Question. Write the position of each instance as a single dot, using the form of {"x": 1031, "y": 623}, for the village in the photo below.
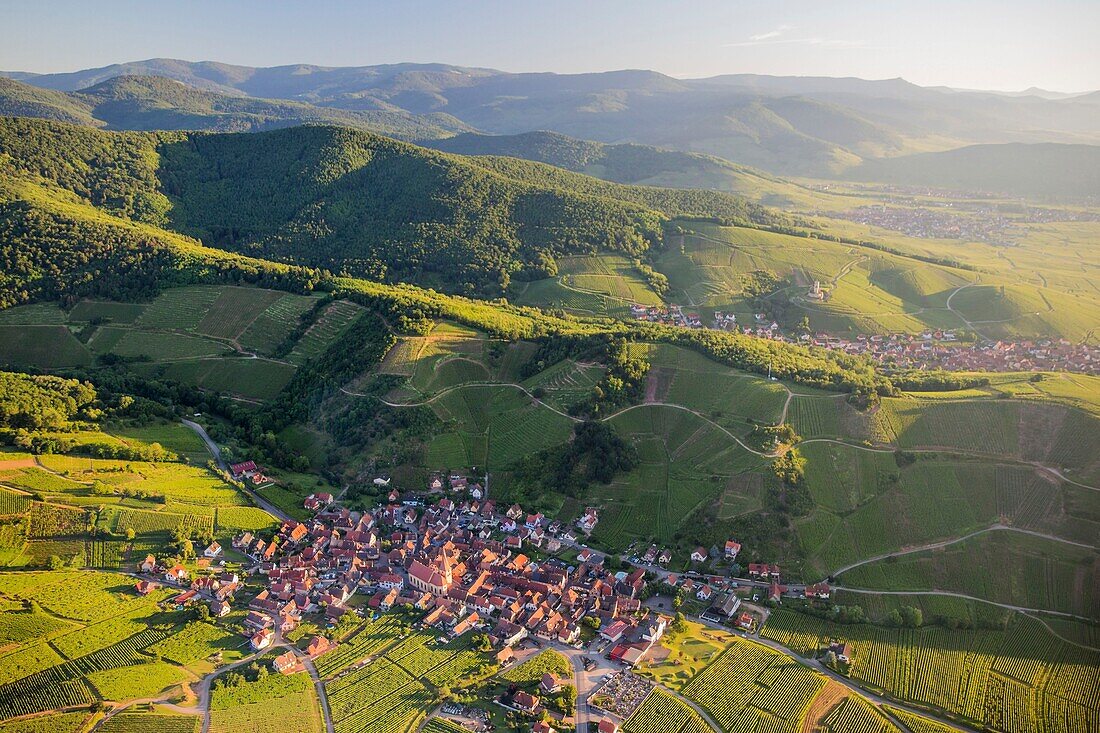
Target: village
{"x": 461, "y": 565}
{"x": 937, "y": 349}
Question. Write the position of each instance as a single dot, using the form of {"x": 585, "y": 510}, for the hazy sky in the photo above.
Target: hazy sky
{"x": 1005, "y": 44}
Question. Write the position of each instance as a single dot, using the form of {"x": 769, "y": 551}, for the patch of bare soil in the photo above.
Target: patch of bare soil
{"x": 829, "y": 697}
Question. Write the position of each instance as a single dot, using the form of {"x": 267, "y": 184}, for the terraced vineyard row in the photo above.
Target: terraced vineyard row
{"x": 663, "y": 713}
{"x": 1020, "y": 679}
{"x": 749, "y": 679}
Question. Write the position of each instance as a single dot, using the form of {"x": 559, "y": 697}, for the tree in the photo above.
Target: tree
{"x": 130, "y": 534}
{"x": 912, "y": 617}
{"x": 679, "y": 624}
{"x": 202, "y": 612}
{"x": 55, "y": 562}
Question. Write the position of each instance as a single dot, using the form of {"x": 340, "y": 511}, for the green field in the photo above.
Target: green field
{"x": 1018, "y": 679}
{"x": 603, "y": 284}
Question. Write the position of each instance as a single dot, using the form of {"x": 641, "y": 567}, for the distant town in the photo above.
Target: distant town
{"x": 938, "y": 349}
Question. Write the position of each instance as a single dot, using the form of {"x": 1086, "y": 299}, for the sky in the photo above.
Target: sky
{"x": 977, "y": 44}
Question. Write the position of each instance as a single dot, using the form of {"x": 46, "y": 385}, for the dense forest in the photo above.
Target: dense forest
{"x": 354, "y": 202}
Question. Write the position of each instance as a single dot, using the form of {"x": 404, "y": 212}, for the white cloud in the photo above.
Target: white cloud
{"x": 770, "y": 34}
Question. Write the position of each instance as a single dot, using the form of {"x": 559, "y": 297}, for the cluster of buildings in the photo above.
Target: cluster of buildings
{"x": 673, "y": 315}
{"x": 940, "y": 350}
{"x": 462, "y": 563}
{"x": 982, "y": 225}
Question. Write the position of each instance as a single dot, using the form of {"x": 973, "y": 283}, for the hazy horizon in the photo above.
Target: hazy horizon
{"x": 982, "y": 45}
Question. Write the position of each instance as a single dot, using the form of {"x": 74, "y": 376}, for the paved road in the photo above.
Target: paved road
{"x": 216, "y": 452}
{"x": 322, "y": 694}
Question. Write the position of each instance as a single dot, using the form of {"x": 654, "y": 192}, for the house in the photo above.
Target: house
{"x": 542, "y": 727}
{"x": 318, "y": 646}
{"x": 699, "y": 554}
{"x": 145, "y": 587}
{"x": 525, "y": 701}
{"x": 745, "y": 621}
{"x": 818, "y": 590}
{"x": 729, "y": 606}
{"x": 262, "y": 639}
{"x": 607, "y": 725}
{"x": 732, "y": 548}
{"x": 615, "y": 631}
{"x": 148, "y": 565}
{"x": 550, "y": 684}
{"x": 257, "y": 620}
{"x": 243, "y": 470}
{"x": 654, "y": 628}
{"x": 665, "y": 557}
{"x": 842, "y": 650}
{"x": 212, "y": 551}
{"x": 285, "y": 663}
{"x": 176, "y": 574}
{"x": 588, "y": 520}
{"x": 220, "y": 608}
{"x": 704, "y": 593}
{"x": 317, "y": 502}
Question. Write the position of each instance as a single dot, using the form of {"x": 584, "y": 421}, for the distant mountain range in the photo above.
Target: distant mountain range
{"x": 811, "y": 126}
{"x": 158, "y": 103}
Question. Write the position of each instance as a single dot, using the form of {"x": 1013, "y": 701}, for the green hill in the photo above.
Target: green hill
{"x": 625, "y": 163}
{"x": 1045, "y": 170}
{"x": 354, "y": 202}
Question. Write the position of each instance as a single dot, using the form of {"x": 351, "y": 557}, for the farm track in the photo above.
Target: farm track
{"x": 566, "y": 415}
{"x": 963, "y": 538}
{"x": 951, "y": 594}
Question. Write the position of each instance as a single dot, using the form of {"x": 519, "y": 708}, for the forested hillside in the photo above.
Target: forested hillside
{"x": 624, "y": 163}
{"x": 353, "y": 202}
{"x": 157, "y": 103}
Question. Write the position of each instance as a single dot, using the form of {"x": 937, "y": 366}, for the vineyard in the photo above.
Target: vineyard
{"x": 128, "y": 722}
{"x": 748, "y": 681}
{"x": 548, "y": 661}
{"x": 63, "y": 683}
{"x": 12, "y": 503}
{"x": 48, "y": 520}
{"x": 195, "y": 641}
{"x": 1015, "y": 680}
{"x": 271, "y": 702}
{"x": 370, "y": 638}
{"x": 663, "y": 713}
{"x": 146, "y": 522}
{"x": 378, "y": 698}
{"x": 855, "y": 715}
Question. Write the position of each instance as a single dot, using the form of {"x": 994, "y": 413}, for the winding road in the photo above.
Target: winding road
{"x": 566, "y": 415}
{"x": 955, "y": 540}
{"x": 216, "y": 452}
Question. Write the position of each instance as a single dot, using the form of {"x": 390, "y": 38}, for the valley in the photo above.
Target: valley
{"x": 421, "y": 397}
